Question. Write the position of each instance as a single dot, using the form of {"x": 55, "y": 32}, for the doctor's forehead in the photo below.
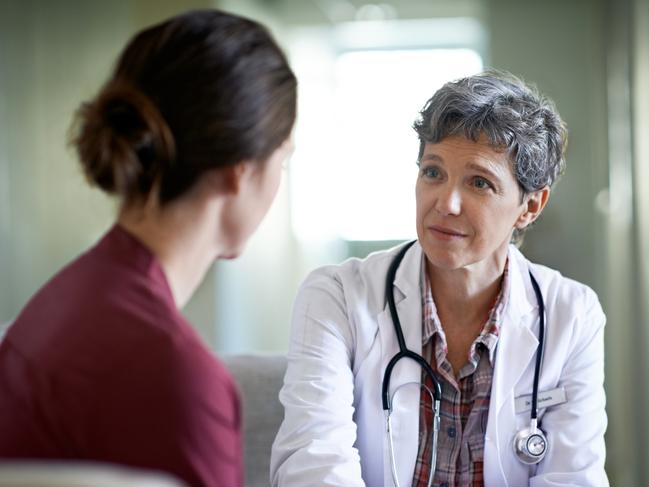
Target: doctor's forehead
{"x": 460, "y": 150}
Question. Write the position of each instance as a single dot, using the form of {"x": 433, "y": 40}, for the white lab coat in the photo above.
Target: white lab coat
{"x": 342, "y": 338}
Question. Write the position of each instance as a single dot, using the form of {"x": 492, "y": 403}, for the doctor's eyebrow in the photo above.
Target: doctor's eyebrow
{"x": 484, "y": 170}
{"x": 431, "y": 158}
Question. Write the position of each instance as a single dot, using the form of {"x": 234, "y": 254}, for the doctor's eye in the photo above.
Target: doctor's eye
{"x": 481, "y": 183}
{"x": 430, "y": 172}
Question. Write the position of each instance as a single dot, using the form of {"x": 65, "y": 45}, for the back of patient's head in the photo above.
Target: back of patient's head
{"x": 200, "y": 91}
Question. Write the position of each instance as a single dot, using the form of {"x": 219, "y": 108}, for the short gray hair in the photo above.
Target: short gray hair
{"x": 512, "y": 115}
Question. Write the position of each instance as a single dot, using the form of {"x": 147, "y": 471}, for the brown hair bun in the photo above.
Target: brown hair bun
{"x": 202, "y": 90}
{"x": 122, "y": 141}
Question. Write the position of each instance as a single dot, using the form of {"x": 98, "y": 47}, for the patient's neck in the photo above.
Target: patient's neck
{"x": 180, "y": 234}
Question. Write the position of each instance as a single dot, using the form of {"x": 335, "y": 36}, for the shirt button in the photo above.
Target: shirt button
{"x": 451, "y": 432}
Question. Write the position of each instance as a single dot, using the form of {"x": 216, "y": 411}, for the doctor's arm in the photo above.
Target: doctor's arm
{"x": 575, "y": 429}
{"x": 315, "y": 443}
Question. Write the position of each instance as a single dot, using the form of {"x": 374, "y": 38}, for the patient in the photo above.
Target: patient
{"x": 189, "y": 133}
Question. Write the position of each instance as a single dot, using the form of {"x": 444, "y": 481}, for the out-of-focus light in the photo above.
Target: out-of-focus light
{"x": 337, "y": 10}
{"x": 376, "y": 12}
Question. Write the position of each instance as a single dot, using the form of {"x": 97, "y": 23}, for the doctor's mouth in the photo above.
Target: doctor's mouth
{"x": 446, "y": 234}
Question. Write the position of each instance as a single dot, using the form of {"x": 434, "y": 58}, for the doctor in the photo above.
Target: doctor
{"x": 501, "y": 335}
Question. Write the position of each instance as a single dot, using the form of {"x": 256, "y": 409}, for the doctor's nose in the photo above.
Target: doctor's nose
{"x": 448, "y": 201}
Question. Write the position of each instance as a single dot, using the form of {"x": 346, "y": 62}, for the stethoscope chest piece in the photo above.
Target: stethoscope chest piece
{"x": 530, "y": 445}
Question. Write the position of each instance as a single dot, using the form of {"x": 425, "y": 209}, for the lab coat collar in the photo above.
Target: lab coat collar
{"x": 407, "y": 278}
{"x": 521, "y": 299}
{"x": 520, "y": 302}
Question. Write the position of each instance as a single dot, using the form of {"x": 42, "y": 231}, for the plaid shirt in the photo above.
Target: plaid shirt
{"x": 465, "y": 399}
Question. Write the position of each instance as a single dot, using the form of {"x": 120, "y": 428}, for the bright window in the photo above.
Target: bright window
{"x": 353, "y": 173}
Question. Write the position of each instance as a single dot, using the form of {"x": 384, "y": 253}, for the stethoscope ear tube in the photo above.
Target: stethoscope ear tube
{"x": 539, "y": 350}
{"x": 389, "y": 293}
{"x": 385, "y": 388}
{"x": 403, "y": 350}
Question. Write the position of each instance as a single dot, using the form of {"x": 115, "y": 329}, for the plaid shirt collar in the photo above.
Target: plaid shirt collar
{"x": 491, "y": 329}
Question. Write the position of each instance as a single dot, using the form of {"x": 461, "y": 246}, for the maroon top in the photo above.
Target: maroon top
{"x": 100, "y": 365}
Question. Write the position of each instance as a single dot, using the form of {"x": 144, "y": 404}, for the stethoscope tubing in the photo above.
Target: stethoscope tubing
{"x": 539, "y": 350}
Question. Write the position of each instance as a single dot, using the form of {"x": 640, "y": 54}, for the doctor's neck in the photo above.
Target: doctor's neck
{"x": 468, "y": 290}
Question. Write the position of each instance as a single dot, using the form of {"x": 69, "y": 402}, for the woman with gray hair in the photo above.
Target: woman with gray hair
{"x": 453, "y": 360}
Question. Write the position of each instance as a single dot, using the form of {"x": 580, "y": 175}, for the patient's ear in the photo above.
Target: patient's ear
{"x": 533, "y": 205}
{"x": 228, "y": 179}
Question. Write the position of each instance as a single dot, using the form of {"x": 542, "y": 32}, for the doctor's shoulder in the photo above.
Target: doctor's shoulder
{"x": 351, "y": 283}
{"x": 342, "y": 302}
{"x": 572, "y": 304}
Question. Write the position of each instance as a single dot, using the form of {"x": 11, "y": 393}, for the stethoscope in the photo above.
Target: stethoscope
{"x": 530, "y": 444}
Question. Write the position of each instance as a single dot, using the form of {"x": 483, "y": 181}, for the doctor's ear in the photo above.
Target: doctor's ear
{"x": 533, "y": 204}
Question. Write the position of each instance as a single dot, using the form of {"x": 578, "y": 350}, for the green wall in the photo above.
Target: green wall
{"x": 53, "y": 56}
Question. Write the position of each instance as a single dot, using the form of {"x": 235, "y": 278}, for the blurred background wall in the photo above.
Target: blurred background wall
{"x": 348, "y": 188}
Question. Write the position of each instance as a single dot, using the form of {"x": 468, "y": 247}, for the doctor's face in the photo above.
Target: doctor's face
{"x": 468, "y": 203}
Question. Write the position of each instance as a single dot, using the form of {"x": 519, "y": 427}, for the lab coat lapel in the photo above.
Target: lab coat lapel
{"x": 405, "y": 415}
{"x": 516, "y": 350}
{"x": 518, "y": 342}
